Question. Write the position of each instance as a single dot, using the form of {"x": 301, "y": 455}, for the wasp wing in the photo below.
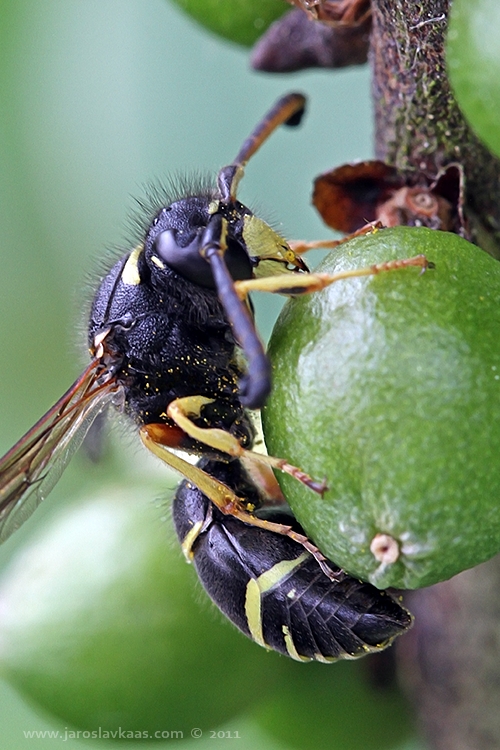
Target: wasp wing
{"x": 29, "y": 471}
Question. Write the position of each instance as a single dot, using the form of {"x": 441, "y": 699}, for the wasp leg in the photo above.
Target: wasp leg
{"x": 182, "y": 409}
{"x": 302, "y": 246}
{"x": 224, "y": 497}
{"x": 294, "y": 284}
{"x": 263, "y": 477}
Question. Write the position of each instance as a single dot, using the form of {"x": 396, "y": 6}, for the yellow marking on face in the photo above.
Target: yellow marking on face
{"x": 261, "y": 240}
{"x": 158, "y": 262}
{"x": 258, "y": 586}
{"x": 213, "y": 207}
{"x": 273, "y": 253}
{"x": 130, "y": 273}
{"x": 290, "y": 646}
{"x": 189, "y": 540}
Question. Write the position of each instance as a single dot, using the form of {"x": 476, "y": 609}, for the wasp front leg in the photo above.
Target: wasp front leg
{"x": 306, "y": 283}
{"x": 299, "y": 247}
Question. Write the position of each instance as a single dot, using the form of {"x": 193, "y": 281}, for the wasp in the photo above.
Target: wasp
{"x": 173, "y": 344}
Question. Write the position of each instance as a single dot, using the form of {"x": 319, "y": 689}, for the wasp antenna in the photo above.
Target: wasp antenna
{"x": 287, "y": 111}
{"x": 296, "y": 118}
{"x": 256, "y": 384}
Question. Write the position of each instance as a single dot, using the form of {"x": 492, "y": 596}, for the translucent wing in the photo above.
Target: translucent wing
{"x": 29, "y": 471}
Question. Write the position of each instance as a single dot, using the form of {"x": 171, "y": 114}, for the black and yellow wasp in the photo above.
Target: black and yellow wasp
{"x": 168, "y": 327}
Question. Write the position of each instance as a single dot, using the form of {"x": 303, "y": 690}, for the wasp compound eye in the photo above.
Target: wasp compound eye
{"x": 186, "y": 261}
{"x": 190, "y": 262}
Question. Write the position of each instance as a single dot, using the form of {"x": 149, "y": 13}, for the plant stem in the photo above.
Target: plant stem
{"x": 418, "y": 125}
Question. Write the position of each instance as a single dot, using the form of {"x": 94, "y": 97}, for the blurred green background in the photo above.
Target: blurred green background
{"x": 98, "y": 99}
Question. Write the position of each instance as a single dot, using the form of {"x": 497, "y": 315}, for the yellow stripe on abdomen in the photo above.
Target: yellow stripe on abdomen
{"x": 256, "y": 587}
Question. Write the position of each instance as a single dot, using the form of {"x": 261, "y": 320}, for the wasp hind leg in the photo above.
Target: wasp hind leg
{"x": 223, "y": 497}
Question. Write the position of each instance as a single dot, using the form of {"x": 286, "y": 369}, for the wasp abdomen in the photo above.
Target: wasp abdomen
{"x": 273, "y": 590}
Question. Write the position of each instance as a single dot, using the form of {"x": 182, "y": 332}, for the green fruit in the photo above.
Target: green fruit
{"x": 101, "y": 626}
{"x": 241, "y": 21}
{"x": 389, "y": 386}
{"x": 473, "y": 56}
{"x": 320, "y": 707}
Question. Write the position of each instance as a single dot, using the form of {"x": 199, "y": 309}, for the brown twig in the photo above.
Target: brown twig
{"x": 419, "y": 127}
